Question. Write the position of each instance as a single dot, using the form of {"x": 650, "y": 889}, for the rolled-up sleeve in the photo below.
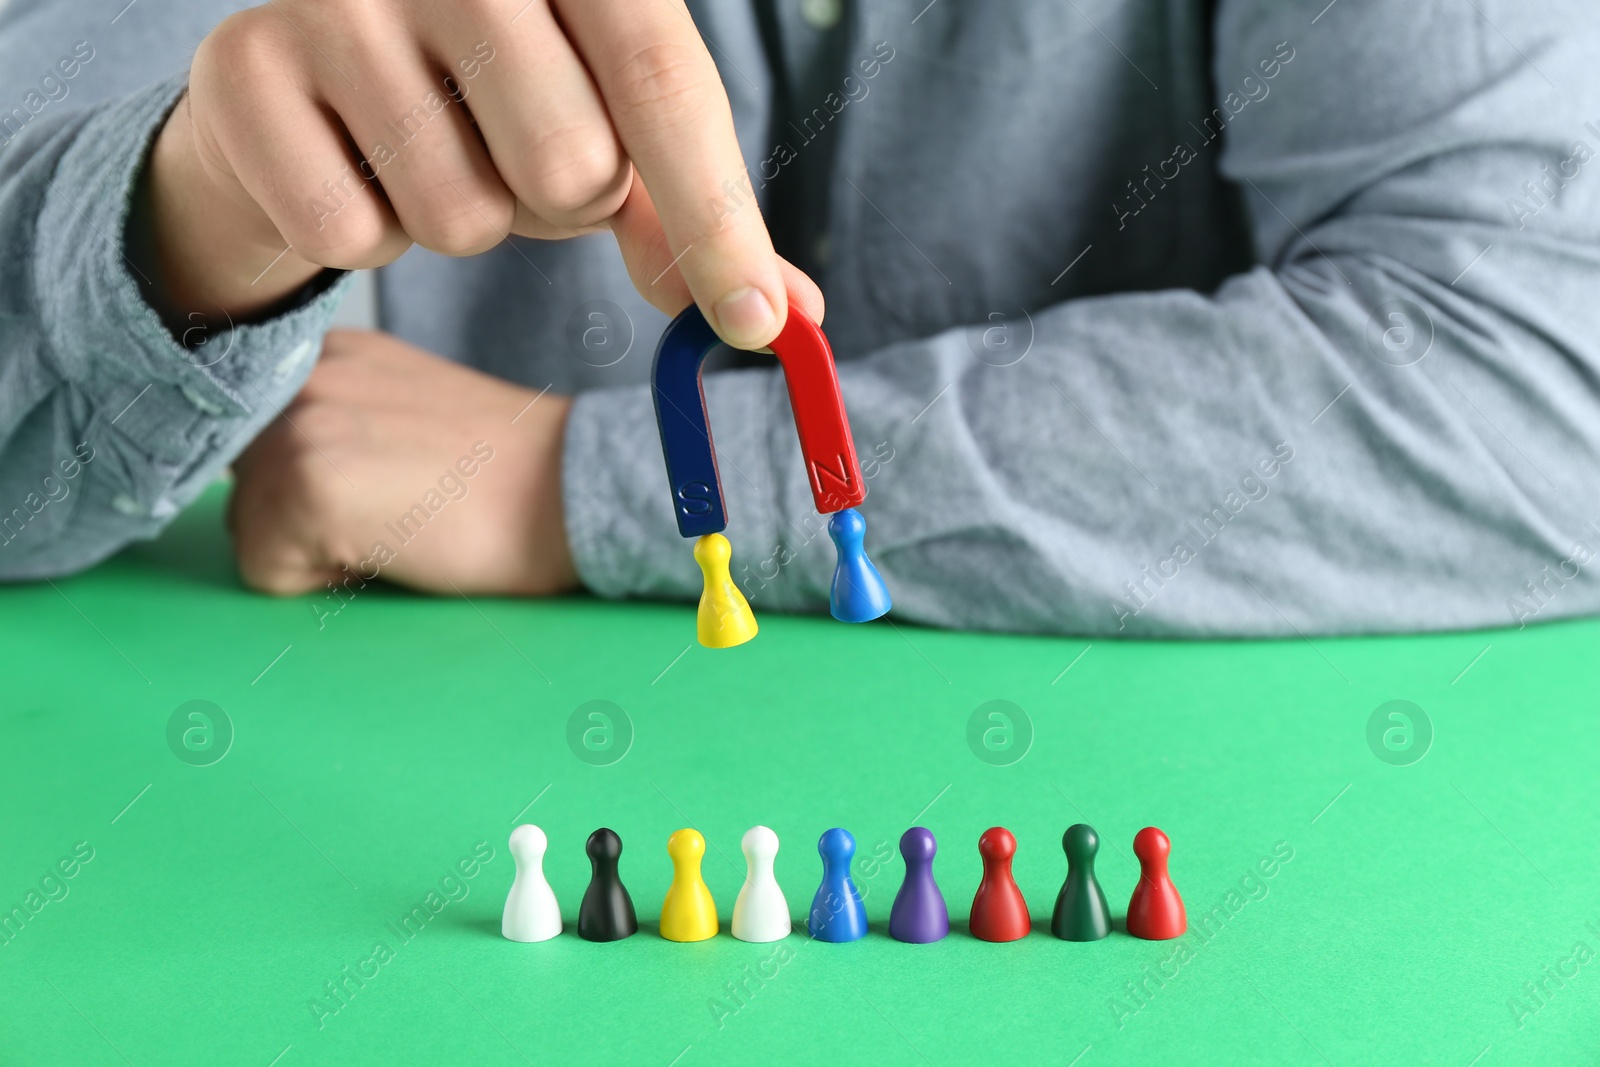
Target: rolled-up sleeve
{"x": 110, "y": 420}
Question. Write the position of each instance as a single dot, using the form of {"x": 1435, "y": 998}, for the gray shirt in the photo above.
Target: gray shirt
{"x": 1151, "y": 318}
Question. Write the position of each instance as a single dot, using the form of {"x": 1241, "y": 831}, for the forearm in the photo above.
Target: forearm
{"x": 1393, "y": 423}
{"x": 1168, "y": 463}
{"x": 92, "y": 376}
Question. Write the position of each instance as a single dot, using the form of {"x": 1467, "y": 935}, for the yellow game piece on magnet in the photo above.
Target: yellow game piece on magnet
{"x": 688, "y": 913}
{"x": 725, "y": 617}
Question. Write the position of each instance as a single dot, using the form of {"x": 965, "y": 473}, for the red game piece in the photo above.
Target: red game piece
{"x": 998, "y": 911}
{"x": 1156, "y": 911}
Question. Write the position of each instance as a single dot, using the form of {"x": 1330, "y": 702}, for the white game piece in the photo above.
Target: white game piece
{"x": 532, "y": 913}
{"x": 761, "y": 913}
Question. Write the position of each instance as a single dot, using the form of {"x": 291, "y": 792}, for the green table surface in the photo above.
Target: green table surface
{"x": 1439, "y": 912}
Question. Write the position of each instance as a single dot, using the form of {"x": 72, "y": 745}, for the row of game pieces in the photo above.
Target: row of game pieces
{"x": 919, "y": 914}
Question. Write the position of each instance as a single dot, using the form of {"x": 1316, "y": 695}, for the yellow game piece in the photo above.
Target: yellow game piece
{"x": 688, "y": 913}
{"x": 725, "y": 618}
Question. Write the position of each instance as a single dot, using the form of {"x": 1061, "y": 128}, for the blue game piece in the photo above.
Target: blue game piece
{"x": 919, "y": 914}
{"x": 685, "y": 433}
{"x": 837, "y": 913}
{"x": 858, "y": 593}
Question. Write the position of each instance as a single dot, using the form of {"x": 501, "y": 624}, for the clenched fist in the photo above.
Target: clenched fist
{"x": 396, "y": 464}
{"x": 337, "y": 133}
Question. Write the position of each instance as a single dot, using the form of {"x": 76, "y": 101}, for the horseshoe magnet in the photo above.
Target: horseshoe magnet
{"x": 858, "y": 593}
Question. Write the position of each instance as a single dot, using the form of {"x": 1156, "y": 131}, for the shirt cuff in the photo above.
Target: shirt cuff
{"x": 175, "y": 414}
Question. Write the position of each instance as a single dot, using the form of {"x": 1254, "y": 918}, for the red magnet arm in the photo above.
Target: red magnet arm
{"x": 825, "y": 441}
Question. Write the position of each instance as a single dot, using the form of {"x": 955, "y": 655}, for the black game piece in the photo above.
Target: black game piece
{"x": 607, "y": 911}
{"x": 1081, "y": 912}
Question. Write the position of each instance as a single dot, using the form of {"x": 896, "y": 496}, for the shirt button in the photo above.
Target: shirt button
{"x": 821, "y": 14}
{"x": 126, "y": 504}
{"x": 199, "y": 401}
{"x": 821, "y": 250}
{"x": 292, "y": 362}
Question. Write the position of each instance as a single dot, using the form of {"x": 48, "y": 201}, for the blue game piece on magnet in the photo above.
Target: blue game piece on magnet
{"x": 837, "y": 913}
{"x": 685, "y": 431}
{"x": 858, "y": 593}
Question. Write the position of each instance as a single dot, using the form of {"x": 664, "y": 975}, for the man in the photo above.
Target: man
{"x": 1153, "y": 316}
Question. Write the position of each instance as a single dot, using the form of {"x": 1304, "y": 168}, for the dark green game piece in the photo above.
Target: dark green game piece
{"x": 1081, "y": 913}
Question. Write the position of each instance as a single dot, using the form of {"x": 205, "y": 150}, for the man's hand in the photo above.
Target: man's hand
{"x": 336, "y": 133}
{"x": 397, "y": 464}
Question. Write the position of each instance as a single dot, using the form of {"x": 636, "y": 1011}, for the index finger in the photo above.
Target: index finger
{"x": 672, "y": 115}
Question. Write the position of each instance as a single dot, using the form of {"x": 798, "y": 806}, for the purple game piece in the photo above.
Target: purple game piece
{"x": 919, "y": 914}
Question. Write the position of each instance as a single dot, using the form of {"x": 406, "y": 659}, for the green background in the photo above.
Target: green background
{"x": 371, "y": 755}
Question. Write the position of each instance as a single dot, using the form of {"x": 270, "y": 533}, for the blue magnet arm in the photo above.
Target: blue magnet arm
{"x": 685, "y": 429}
